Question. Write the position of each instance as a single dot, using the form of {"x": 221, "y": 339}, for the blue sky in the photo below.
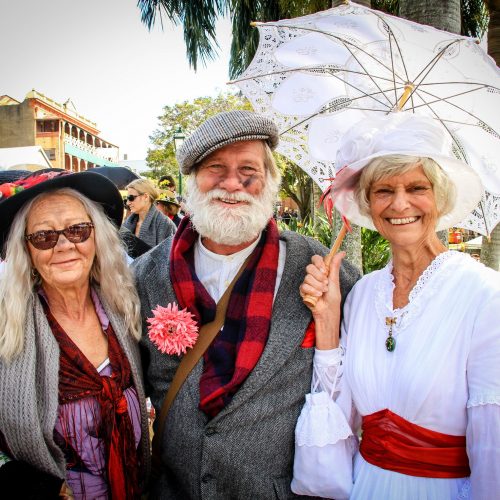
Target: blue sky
{"x": 98, "y": 54}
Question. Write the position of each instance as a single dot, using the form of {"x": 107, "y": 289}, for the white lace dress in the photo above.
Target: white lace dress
{"x": 444, "y": 374}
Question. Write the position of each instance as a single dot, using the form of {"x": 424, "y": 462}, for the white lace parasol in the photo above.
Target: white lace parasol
{"x": 318, "y": 75}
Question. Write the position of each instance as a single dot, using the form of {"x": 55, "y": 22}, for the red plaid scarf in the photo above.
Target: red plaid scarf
{"x": 79, "y": 379}
{"x": 239, "y": 345}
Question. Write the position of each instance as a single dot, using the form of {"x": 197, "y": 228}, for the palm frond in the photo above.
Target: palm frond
{"x": 198, "y": 18}
{"x": 474, "y": 17}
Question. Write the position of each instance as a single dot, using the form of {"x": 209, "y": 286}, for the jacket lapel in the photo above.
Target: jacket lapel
{"x": 285, "y": 335}
{"x": 159, "y": 288}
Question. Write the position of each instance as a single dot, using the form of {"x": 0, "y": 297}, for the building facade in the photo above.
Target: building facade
{"x": 70, "y": 140}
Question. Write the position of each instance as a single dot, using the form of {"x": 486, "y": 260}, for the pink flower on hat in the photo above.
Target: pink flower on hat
{"x": 172, "y": 330}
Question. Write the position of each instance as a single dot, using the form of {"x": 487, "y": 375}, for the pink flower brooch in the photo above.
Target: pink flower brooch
{"x": 172, "y": 330}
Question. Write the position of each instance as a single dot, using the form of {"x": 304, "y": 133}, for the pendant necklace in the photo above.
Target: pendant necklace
{"x": 390, "y": 341}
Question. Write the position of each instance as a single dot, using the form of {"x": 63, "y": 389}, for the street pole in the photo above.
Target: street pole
{"x": 178, "y": 141}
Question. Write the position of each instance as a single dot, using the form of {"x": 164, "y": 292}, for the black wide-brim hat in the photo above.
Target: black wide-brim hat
{"x": 94, "y": 186}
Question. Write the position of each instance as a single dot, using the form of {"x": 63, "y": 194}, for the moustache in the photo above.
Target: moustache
{"x": 222, "y": 194}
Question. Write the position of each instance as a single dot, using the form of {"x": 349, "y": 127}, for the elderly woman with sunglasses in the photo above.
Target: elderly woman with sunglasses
{"x": 416, "y": 370}
{"x": 72, "y": 415}
{"x": 146, "y": 222}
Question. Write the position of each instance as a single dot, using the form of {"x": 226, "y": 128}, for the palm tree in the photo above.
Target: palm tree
{"x": 199, "y": 18}
{"x": 444, "y": 15}
{"x": 490, "y": 250}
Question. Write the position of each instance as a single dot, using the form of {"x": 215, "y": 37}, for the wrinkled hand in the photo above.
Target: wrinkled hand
{"x": 323, "y": 283}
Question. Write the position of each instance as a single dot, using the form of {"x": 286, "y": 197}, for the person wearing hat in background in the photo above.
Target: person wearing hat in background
{"x": 145, "y": 222}
{"x": 229, "y": 431}
{"x": 72, "y": 415}
{"x": 417, "y": 364}
{"x": 167, "y": 182}
{"x": 169, "y": 206}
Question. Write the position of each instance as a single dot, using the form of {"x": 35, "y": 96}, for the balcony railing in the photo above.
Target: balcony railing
{"x": 110, "y": 154}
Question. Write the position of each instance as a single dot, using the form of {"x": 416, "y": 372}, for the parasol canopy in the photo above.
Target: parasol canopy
{"x": 316, "y": 76}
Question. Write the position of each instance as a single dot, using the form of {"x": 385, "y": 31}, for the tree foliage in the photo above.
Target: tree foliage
{"x": 375, "y": 249}
{"x": 297, "y": 185}
{"x": 199, "y": 18}
{"x": 474, "y": 18}
{"x": 188, "y": 115}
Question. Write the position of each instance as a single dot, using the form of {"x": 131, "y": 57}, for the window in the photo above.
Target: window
{"x": 47, "y": 126}
{"x": 51, "y": 153}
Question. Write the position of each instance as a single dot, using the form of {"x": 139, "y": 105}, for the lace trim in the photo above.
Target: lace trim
{"x": 321, "y": 422}
{"x": 465, "y": 493}
{"x": 428, "y": 284}
{"x": 489, "y": 398}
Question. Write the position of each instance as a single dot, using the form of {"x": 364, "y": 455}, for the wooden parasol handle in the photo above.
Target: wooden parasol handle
{"x": 310, "y": 300}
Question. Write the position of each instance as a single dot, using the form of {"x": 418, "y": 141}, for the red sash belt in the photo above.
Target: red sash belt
{"x": 391, "y": 442}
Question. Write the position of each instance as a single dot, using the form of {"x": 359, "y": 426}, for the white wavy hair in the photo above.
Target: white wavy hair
{"x": 109, "y": 271}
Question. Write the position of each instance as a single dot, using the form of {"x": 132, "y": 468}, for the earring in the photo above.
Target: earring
{"x": 34, "y": 273}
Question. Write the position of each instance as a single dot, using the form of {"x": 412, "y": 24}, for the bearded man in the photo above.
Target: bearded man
{"x": 229, "y": 433}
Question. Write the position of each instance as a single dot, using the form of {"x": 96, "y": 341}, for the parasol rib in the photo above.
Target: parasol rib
{"x": 301, "y": 122}
{"x": 430, "y": 66}
{"x": 391, "y": 35}
{"x": 346, "y": 44}
{"x": 438, "y": 99}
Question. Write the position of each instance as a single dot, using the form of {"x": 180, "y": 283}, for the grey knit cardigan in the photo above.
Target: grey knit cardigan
{"x": 29, "y": 392}
{"x": 246, "y": 451}
{"x": 155, "y": 228}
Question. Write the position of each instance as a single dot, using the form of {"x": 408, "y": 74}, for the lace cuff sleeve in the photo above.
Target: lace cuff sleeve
{"x": 327, "y": 371}
{"x": 324, "y": 447}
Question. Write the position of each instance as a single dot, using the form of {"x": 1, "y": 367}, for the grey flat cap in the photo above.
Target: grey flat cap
{"x": 223, "y": 129}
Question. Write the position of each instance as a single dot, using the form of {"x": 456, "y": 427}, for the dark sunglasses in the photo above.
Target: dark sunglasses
{"x": 44, "y": 240}
{"x": 132, "y": 197}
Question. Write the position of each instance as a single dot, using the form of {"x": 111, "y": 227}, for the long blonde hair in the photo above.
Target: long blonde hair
{"x": 145, "y": 186}
{"x": 109, "y": 272}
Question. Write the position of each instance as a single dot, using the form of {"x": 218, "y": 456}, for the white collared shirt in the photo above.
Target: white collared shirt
{"x": 217, "y": 271}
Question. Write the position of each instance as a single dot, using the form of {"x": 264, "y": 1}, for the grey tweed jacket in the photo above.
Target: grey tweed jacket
{"x": 155, "y": 228}
{"x": 29, "y": 396}
{"x": 246, "y": 451}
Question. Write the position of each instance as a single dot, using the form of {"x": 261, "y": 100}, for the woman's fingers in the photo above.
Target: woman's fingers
{"x": 306, "y": 289}
{"x": 319, "y": 262}
{"x": 319, "y": 279}
{"x": 335, "y": 264}
{"x": 317, "y": 282}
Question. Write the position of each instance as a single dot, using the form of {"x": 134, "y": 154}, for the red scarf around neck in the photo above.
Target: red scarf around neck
{"x": 238, "y": 346}
{"x": 79, "y": 379}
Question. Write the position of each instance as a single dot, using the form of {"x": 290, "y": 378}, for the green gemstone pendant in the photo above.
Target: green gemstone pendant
{"x": 390, "y": 343}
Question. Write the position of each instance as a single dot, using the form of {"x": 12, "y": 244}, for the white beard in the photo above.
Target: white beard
{"x": 227, "y": 225}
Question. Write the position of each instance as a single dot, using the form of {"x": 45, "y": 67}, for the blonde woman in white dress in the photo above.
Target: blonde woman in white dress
{"x": 415, "y": 365}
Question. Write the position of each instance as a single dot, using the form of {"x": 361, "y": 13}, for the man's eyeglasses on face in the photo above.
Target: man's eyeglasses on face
{"x": 47, "y": 239}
